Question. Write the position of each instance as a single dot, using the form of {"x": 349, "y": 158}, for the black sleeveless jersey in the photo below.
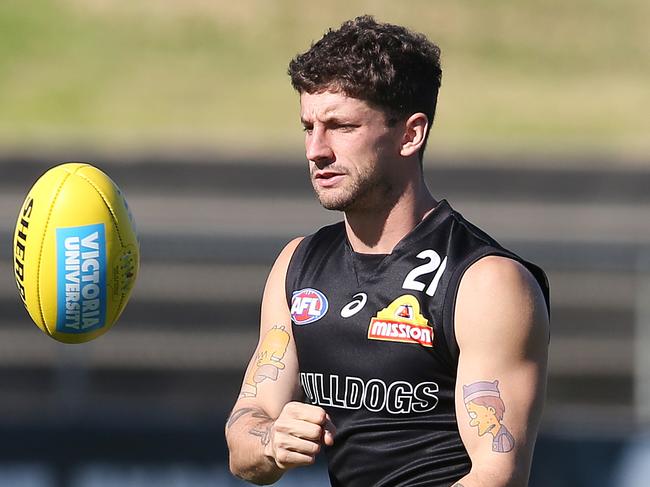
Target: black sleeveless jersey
{"x": 377, "y": 350}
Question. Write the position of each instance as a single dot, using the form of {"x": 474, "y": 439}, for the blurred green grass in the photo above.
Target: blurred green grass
{"x": 531, "y": 76}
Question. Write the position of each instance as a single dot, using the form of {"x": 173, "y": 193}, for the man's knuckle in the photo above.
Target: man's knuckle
{"x": 282, "y": 456}
{"x": 321, "y": 416}
{"x": 279, "y": 425}
{"x": 314, "y": 432}
{"x": 282, "y": 442}
{"x": 293, "y": 409}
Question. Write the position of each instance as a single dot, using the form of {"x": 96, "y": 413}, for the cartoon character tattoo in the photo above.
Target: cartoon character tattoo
{"x": 268, "y": 361}
{"x": 485, "y": 409}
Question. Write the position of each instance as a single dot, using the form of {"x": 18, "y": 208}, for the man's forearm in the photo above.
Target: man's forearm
{"x": 489, "y": 479}
{"x": 248, "y": 432}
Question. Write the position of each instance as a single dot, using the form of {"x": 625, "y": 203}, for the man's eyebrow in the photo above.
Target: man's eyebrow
{"x": 329, "y": 119}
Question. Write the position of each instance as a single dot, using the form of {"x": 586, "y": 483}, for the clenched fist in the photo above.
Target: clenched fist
{"x": 298, "y": 434}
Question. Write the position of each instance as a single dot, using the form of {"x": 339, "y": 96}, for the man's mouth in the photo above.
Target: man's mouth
{"x": 327, "y": 179}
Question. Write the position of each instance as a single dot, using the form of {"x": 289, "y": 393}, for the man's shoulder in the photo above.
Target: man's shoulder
{"x": 467, "y": 227}
{"x": 315, "y": 243}
{"x": 333, "y": 228}
{"x": 498, "y": 270}
{"x": 325, "y": 233}
{"x": 480, "y": 260}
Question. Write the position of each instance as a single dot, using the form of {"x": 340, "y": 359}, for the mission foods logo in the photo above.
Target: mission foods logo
{"x": 81, "y": 278}
{"x": 401, "y": 321}
{"x": 308, "y": 305}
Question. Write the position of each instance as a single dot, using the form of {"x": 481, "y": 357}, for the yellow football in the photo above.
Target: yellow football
{"x": 76, "y": 253}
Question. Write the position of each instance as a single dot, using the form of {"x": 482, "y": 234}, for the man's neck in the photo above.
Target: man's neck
{"x": 378, "y": 231}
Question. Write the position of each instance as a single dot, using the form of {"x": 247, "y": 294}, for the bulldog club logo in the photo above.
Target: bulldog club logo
{"x": 401, "y": 321}
{"x": 308, "y": 305}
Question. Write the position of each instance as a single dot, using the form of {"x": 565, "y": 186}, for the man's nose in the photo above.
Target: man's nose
{"x": 317, "y": 147}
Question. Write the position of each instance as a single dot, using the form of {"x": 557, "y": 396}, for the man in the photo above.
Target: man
{"x": 371, "y": 329}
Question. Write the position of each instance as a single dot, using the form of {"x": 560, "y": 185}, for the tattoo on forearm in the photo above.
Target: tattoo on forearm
{"x": 257, "y": 414}
{"x": 264, "y": 433}
{"x": 268, "y": 361}
{"x": 235, "y": 415}
{"x": 485, "y": 408}
{"x": 262, "y": 429}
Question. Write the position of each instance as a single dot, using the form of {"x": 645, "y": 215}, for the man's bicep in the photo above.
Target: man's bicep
{"x": 271, "y": 378}
{"x": 502, "y": 331}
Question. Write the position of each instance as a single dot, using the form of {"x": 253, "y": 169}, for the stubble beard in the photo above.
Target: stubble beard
{"x": 366, "y": 191}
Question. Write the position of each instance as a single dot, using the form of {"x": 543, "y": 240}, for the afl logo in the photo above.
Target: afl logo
{"x": 308, "y": 305}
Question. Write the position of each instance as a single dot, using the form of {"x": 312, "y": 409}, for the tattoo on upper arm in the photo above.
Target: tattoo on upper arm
{"x": 268, "y": 361}
{"x": 485, "y": 408}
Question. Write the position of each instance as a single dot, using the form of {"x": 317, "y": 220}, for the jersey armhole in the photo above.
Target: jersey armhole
{"x": 451, "y": 294}
{"x": 302, "y": 253}
{"x": 290, "y": 276}
{"x": 449, "y": 303}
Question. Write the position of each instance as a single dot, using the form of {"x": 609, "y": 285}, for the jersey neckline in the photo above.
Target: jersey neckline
{"x": 367, "y": 266}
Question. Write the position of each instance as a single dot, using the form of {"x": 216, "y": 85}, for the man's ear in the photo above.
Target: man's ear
{"x": 415, "y": 132}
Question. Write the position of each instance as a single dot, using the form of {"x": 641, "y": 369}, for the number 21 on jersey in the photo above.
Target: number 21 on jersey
{"x": 434, "y": 264}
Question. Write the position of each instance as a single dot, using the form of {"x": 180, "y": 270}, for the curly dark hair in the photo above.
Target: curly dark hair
{"x": 386, "y": 65}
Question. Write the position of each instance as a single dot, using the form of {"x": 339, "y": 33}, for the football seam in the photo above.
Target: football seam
{"x": 113, "y": 219}
{"x": 105, "y": 200}
{"x": 40, "y": 254}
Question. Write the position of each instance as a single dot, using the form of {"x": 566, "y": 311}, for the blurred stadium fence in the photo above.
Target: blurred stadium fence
{"x": 155, "y": 391}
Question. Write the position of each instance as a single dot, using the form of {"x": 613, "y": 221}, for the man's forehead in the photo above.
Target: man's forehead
{"x": 329, "y": 104}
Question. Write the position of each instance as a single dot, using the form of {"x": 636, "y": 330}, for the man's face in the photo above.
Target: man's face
{"x": 484, "y": 417}
{"x": 352, "y": 152}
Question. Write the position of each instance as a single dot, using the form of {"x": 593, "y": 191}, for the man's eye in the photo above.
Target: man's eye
{"x": 307, "y": 129}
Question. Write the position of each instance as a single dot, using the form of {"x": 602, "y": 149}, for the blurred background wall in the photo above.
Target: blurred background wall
{"x": 541, "y": 138}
